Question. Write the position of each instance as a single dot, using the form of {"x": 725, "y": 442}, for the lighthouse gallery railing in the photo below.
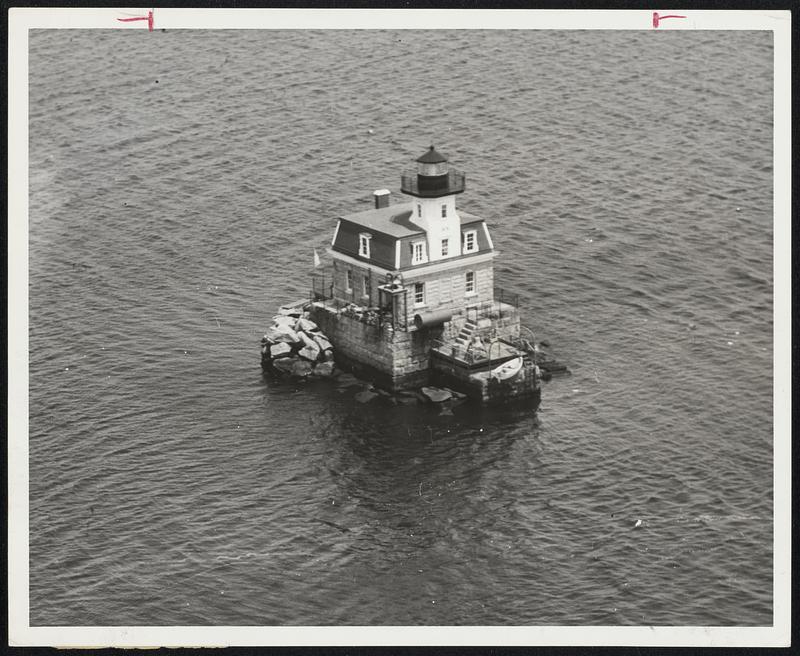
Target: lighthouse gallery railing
{"x": 453, "y": 183}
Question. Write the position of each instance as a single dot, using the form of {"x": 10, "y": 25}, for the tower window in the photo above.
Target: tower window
{"x": 445, "y": 247}
{"x": 363, "y": 244}
{"x": 419, "y": 293}
{"x": 418, "y": 252}
{"x": 470, "y": 242}
{"x": 348, "y": 280}
{"x": 469, "y": 282}
{"x": 444, "y": 211}
{"x": 419, "y": 210}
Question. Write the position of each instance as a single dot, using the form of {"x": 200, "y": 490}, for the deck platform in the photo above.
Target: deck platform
{"x": 473, "y": 358}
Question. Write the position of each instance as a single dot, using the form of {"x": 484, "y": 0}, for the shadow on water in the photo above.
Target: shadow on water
{"x": 389, "y": 441}
{"x": 383, "y": 455}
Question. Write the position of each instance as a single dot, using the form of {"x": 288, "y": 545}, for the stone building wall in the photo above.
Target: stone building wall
{"x": 394, "y": 359}
{"x": 446, "y": 289}
{"x": 356, "y": 294}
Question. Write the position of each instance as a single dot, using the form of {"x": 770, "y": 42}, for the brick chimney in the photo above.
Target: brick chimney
{"x": 381, "y": 198}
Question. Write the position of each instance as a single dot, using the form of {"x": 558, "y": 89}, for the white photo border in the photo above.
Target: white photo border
{"x": 20, "y": 20}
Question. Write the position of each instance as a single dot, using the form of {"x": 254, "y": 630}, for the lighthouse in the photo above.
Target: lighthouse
{"x": 410, "y": 292}
{"x": 443, "y": 256}
{"x": 434, "y": 186}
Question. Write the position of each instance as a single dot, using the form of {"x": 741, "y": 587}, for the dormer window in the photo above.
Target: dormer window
{"x": 418, "y": 255}
{"x": 444, "y": 211}
{"x": 363, "y": 244}
{"x": 470, "y": 241}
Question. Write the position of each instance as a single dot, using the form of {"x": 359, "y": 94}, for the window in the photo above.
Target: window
{"x": 444, "y": 211}
{"x": 417, "y": 252}
{"x": 419, "y": 293}
{"x": 419, "y": 210}
{"x": 445, "y": 247}
{"x": 363, "y": 244}
{"x": 349, "y": 280}
{"x": 469, "y": 283}
{"x": 365, "y": 286}
{"x": 470, "y": 242}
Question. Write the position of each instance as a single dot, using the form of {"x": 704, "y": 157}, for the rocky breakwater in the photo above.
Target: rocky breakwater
{"x": 295, "y": 346}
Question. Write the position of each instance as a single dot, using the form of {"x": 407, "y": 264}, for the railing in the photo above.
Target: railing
{"x": 520, "y": 343}
{"x": 321, "y": 285}
{"x": 453, "y": 182}
{"x": 509, "y": 298}
{"x": 369, "y": 315}
{"x": 494, "y": 309}
{"x": 480, "y": 310}
{"x": 372, "y": 316}
{"x": 471, "y": 355}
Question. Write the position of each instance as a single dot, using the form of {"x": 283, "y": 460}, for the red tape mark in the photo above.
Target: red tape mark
{"x": 148, "y": 18}
{"x": 657, "y": 18}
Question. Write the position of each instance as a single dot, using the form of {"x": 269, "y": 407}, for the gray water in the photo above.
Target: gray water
{"x": 178, "y": 182}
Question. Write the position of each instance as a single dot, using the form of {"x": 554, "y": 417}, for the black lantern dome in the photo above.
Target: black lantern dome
{"x": 433, "y": 178}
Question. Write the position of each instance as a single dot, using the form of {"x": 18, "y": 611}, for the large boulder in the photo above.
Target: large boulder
{"x": 284, "y": 321}
{"x": 301, "y": 368}
{"x": 307, "y": 340}
{"x": 322, "y": 342}
{"x": 284, "y": 365}
{"x": 435, "y": 394}
{"x": 281, "y": 334}
{"x": 324, "y": 369}
{"x": 280, "y": 350}
{"x": 310, "y": 353}
{"x": 294, "y": 345}
{"x": 366, "y": 396}
{"x": 306, "y": 325}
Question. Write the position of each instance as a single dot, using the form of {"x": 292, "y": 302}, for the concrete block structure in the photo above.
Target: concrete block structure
{"x": 414, "y": 281}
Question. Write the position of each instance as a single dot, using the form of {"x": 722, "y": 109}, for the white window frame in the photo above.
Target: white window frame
{"x": 474, "y": 235}
{"x": 470, "y": 286}
{"x": 445, "y": 247}
{"x": 423, "y": 256}
{"x": 363, "y": 244}
{"x": 419, "y": 291}
{"x": 348, "y": 281}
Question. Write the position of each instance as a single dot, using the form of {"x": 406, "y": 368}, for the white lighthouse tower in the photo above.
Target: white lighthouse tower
{"x": 434, "y": 187}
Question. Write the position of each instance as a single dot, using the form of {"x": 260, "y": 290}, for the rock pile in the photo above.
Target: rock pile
{"x": 294, "y": 345}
